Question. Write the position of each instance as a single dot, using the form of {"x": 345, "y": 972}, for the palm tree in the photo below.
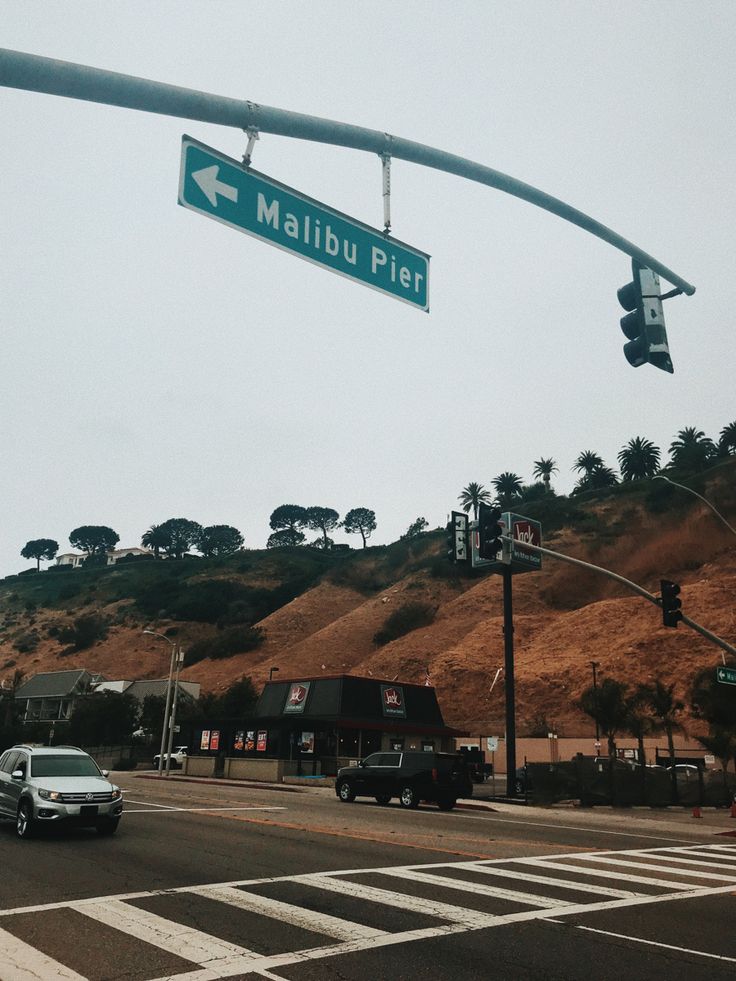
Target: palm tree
{"x": 544, "y": 468}
{"x": 608, "y": 706}
{"x": 156, "y": 538}
{"x": 599, "y": 478}
{"x": 727, "y": 442}
{"x": 639, "y": 459}
{"x": 586, "y": 462}
{"x": 692, "y": 451}
{"x": 473, "y": 495}
{"x": 664, "y": 707}
{"x": 508, "y": 486}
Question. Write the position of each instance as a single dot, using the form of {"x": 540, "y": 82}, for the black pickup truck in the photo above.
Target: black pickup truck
{"x": 439, "y": 778}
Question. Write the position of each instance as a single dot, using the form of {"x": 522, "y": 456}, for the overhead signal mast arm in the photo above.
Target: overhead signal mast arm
{"x": 40, "y": 74}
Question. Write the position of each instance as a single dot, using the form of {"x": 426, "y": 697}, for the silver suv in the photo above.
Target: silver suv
{"x": 45, "y": 785}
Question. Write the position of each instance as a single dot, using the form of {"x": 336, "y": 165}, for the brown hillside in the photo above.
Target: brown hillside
{"x": 564, "y": 618}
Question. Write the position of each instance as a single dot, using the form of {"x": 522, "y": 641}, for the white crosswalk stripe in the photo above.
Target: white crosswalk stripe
{"x": 692, "y": 871}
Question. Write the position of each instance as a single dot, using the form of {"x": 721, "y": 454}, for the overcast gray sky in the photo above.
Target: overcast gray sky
{"x": 158, "y": 364}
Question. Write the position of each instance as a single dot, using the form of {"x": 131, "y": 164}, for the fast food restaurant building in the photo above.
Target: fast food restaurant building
{"x": 313, "y": 726}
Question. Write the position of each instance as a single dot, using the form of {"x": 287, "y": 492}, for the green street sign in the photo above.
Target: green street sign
{"x": 221, "y": 188}
{"x": 726, "y": 676}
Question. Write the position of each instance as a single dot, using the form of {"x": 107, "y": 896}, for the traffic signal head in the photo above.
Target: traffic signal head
{"x": 671, "y": 612}
{"x": 644, "y": 324}
{"x": 457, "y": 537}
{"x": 490, "y": 529}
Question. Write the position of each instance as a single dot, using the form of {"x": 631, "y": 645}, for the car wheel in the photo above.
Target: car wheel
{"x": 345, "y": 792}
{"x": 383, "y": 799}
{"x": 107, "y": 827}
{"x": 24, "y": 825}
{"x": 408, "y": 797}
{"x": 446, "y": 803}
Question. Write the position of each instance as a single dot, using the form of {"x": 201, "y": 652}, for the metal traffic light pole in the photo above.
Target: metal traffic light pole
{"x": 36, "y": 73}
{"x": 508, "y": 653}
{"x": 698, "y": 628}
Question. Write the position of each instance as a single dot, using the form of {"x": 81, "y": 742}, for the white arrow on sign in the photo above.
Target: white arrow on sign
{"x": 210, "y": 186}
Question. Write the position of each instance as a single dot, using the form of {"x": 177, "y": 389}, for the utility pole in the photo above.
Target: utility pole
{"x": 594, "y": 665}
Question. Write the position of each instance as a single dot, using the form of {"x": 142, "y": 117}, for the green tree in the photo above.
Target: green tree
{"x": 664, "y": 708}
{"x": 639, "y": 459}
{"x": 587, "y": 461}
{"x": 322, "y": 520}
{"x": 692, "y": 451}
{"x": 416, "y": 528}
{"x": 544, "y": 468}
{"x": 727, "y": 441}
{"x": 287, "y": 522}
{"x": 181, "y": 535}
{"x": 238, "y": 700}
{"x": 156, "y": 539}
{"x": 508, "y": 486}
{"x": 103, "y": 719}
{"x": 361, "y": 521}
{"x": 40, "y": 548}
{"x": 473, "y": 495}
{"x": 609, "y": 707}
{"x": 94, "y": 539}
{"x": 219, "y": 540}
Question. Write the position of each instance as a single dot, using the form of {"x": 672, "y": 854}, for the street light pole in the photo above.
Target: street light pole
{"x": 661, "y": 476}
{"x": 172, "y": 717}
{"x": 155, "y": 633}
{"x": 594, "y": 665}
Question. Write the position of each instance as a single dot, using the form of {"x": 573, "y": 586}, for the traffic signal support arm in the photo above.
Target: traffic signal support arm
{"x": 37, "y": 73}
{"x": 703, "y": 631}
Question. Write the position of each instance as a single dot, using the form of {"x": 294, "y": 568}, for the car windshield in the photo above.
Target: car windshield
{"x": 64, "y": 766}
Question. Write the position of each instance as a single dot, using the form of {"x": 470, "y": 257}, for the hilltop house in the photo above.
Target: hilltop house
{"x": 75, "y": 560}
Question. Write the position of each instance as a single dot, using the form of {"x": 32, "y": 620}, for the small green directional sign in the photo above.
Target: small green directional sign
{"x": 221, "y": 188}
{"x": 726, "y": 676}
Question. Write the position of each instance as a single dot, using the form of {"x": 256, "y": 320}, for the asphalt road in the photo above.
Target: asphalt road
{"x": 208, "y": 881}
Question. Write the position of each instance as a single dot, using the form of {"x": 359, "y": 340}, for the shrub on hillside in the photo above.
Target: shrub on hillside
{"x": 408, "y": 617}
{"x": 226, "y": 643}
{"x": 84, "y": 632}
{"x": 26, "y": 642}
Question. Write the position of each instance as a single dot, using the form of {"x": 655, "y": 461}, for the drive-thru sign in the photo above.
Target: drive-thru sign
{"x": 221, "y": 188}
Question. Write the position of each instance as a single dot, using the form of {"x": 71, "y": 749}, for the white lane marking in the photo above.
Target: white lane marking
{"x": 430, "y": 907}
{"x": 690, "y": 873}
{"x": 548, "y": 880}
{"x": 204, "y": 810}
{"x": 653, "y": 943}
{"x": 604, "y": 874}
{"x": 331, "y": 926}
{"x": 493, "y": 892}
{"x": 175, "y": 938}
{"x": 21, "y": 962}
{"x": 168, "y": 807}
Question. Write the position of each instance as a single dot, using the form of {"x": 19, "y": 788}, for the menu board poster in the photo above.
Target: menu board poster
{"x": 250, "y": 741}
{"x": 262, "y": 739}
{"x": 204, "y": 742}
{"x": 306, "y": 744}
{"x": 215, "y": 739}
{"x": 239, "y": 740}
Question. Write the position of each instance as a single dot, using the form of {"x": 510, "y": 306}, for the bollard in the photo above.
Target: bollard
{"x": 696, "y": 812}
{"x": 733, "y": 809}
